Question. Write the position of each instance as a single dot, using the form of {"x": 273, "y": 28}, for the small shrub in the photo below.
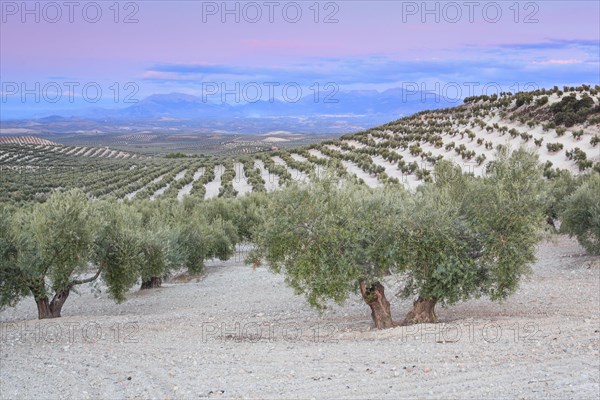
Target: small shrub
{"x": 578, "y": 134}
{"x": 525, "y": 136}
{"x": 541, "y": 101}
{"x": 554, "y": 147}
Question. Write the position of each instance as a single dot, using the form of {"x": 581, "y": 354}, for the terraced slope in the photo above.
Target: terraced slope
{"x": 34, "y": 140}
{"x": 563, "y": 126}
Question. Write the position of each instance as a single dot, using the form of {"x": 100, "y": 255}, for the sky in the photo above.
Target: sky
{"x": 61, "y": 55}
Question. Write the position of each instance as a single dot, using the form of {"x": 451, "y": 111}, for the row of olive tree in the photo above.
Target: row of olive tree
{"x": 573, "y": 203}
{"x": 47, "y": 249}
{"x": 456, "y": 238}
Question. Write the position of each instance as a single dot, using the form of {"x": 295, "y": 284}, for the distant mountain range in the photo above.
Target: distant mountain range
{"x": 345, "y": 112}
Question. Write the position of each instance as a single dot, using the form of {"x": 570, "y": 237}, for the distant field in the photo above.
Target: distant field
{"x": 405, "y": 151}
{"x": 213, "y": 144}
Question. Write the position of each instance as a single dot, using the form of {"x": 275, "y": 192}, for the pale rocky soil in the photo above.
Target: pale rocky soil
{"x": 184, "y": 191}
{"x": 294, "y": 173}
{"x": 369, "y": 179}
{"x": 131, "y": 195}
{"x": 240, "y": 182}
{"x": 163, "y": 189}
{"x": 271, "y": 180}
{"x": 212, "y": 188}
{"x": 181, "y": 341}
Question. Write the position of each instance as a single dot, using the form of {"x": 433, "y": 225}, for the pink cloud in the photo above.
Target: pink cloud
{"x": 274, "y": 44}
{"x": 559, "y": 62}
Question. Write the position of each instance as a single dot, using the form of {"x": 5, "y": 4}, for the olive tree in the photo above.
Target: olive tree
{"x": 117, "y": 248}
{"x": 47, "y": 249}
{"x": 202, "y": 237}
{"x": 157, "y": 236}
{"x": 580, "y": 214}
{"x": 558, "y": 188}
{"x": 330, "y": 239}
{"x": 464, "y": 237}
{"x": 14, "y": 283}
{"x": 456, "y": 238}
{"x": 242, "y": 212}
{"x": 174, "y": 235}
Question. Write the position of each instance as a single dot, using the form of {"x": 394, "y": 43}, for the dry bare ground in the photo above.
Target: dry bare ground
{"x": 242, "y": 333}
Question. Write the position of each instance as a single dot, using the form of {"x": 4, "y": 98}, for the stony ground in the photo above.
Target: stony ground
{"x": 242, "y": 333}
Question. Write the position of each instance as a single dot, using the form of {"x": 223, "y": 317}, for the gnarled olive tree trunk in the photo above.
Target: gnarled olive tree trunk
{"x": 151, "y": 283}
{"x": 423, "y": 312}
{"x": 374, "y": 296}
{"x": 53, "y": 308}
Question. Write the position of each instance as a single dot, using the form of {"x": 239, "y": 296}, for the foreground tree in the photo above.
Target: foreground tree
{"x": 243, "y": 212}
{"x": 117, "y": 248}
{"x": 580, "y": 214}
{"x": 558, "y": 188}
{"x": 46, "y": 248}
{"x": 157, "y": 239}
{"x": 203, "y": 236}
{"x": 463, "y": 237}
{"x": 329, "y": 240}
{"x": 457, "y": 238}
{"x": 13, "y": 282}
{"x": 173, "y": 235}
